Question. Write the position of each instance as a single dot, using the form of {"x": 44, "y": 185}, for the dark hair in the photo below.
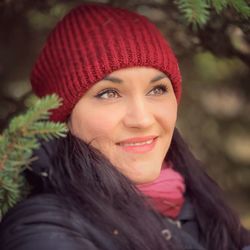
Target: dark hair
{"x": 219, "y": 225}
{"x": 89, "y": 182}
{"x": 109, "y": 200}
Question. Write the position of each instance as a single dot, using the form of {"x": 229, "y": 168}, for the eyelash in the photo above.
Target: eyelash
{"x": 162, "y": 87}
{"x": 107, "y": 91}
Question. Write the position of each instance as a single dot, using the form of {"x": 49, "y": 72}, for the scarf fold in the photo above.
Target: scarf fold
{"x": 166, "y": 193}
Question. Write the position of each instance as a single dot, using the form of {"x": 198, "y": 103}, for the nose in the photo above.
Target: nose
{"x": 138, "y": 114}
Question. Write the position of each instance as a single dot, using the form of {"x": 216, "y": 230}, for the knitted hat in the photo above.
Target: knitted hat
{"x": 92, "y": 41}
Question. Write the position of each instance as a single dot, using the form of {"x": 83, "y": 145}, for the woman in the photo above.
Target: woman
{"x": 123, "y": 178}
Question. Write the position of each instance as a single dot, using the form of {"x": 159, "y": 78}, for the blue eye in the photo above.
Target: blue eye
{"x": 160, "y": 89}
{"x": 108, "y": 94}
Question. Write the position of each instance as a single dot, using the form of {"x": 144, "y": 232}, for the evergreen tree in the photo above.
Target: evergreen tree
{"x": 197, "y": 12}
{"x": 17, "y": 143}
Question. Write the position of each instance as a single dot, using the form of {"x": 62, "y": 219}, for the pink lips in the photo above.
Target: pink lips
{"x": 138, "y": 145}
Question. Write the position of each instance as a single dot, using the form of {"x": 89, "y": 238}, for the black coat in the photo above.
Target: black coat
{"x": 44, "y": 222}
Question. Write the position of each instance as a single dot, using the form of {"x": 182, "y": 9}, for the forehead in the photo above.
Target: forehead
{"x": 135, "y": 71}
{"x": 138, "y": 76}
{"x": 135, "y": 74}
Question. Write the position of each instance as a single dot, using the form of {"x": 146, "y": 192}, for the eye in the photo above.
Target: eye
{"x": 108, "y": 94}
{"x": 160, "y": 89}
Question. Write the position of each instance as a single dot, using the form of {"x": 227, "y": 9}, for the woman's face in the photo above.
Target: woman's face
{"x": 130, "y": 117}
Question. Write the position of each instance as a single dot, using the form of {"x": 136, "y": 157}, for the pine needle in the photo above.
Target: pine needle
{"x": 197, "y": 12}
{"x": 17, "y": 143}
{"x": 241, "y": 6}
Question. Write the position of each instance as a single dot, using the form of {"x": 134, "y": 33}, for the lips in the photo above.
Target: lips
{"x": 138, "y": 144}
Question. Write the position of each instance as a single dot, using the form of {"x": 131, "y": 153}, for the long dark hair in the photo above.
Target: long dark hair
{"x": 92, "y": 184}
{"x": 219, "y": 225}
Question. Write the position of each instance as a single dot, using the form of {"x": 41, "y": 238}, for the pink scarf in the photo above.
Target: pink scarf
{"x": 166, "y": 193}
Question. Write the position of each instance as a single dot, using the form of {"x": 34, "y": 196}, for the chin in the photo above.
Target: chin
{"x": 145, "y": 178}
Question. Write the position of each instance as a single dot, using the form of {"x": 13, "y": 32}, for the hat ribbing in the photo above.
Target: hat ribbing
{"x": 92, "y": 41}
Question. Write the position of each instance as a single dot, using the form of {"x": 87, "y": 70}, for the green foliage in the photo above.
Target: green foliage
{"x": 17, "y": 143}
{"x": 241, "y": 7}
{"x": 194, "y": 11}
{"x": 218, "y": 5}
{"x": 197, "y": 12}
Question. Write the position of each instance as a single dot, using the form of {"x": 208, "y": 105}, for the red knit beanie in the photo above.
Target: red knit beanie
{"x": 92, "y": 41}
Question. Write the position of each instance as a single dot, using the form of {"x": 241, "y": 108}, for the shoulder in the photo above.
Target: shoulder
{"x": 44, "y": 222}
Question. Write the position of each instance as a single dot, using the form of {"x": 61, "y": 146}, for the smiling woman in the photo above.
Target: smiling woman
{"x": 137, "y": 138}
{"x": 123, "y": 178}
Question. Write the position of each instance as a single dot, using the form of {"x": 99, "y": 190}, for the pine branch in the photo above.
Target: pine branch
{"x": 241, "y": 6}
{"x": 47, "y": 130}
{"x": 17, "y": 144}
{"x": 196, "y": 12}
{"x": 218, "y": 5}
{"x": 40, "y": 111}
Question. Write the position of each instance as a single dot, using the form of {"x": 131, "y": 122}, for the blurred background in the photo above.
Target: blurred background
{"x": 214, "y": 114}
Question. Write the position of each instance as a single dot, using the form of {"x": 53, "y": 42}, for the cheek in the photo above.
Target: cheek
{"x": 167, "y": 115}
{"x": 90, "y": 124}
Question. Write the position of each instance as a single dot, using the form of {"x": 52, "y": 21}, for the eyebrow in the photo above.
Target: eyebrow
{"x": 112, "y": 79}
{"x": 118, "y": 80}
{"x": 159, "y": 77}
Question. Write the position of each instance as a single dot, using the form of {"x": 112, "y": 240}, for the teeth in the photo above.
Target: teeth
{"x": 138, "y": 143}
